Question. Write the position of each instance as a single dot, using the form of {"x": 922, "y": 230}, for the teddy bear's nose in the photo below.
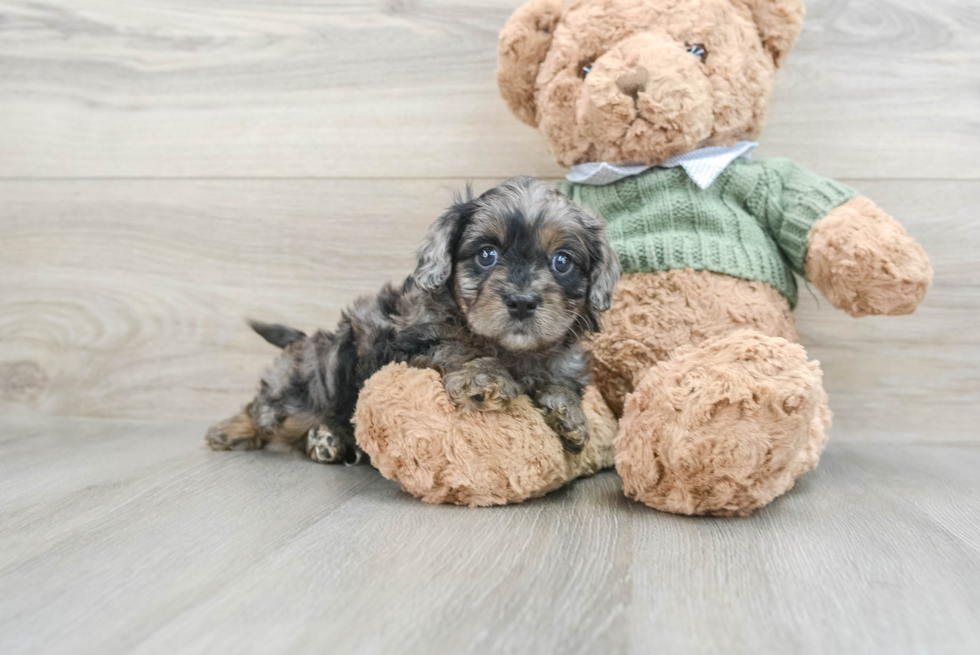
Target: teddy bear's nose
{"x": 633, "y": 82}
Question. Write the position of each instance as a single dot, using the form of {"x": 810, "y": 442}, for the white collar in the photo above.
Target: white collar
{"x": 703, "y": 165}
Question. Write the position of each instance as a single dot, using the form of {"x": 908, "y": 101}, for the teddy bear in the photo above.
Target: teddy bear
{"x": 655, "y": 105}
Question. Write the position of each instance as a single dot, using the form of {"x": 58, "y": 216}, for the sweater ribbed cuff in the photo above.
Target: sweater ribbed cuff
{"x": 804, "y": 205}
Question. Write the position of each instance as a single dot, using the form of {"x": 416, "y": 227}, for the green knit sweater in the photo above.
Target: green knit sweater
{"x": 752, "y": 222}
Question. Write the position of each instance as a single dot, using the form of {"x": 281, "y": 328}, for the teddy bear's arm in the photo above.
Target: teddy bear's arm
{"x": 857, "y": 255}
{"x": 862, "y": 260}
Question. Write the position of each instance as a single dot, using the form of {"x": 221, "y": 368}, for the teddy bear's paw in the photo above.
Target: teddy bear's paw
{"x": 862, "y": 260}
{"x": 327, "y": 448}
{"x": 481, "y": 385}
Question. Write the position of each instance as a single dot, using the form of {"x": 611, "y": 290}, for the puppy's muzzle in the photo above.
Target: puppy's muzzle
{"x": 522, "y": 305}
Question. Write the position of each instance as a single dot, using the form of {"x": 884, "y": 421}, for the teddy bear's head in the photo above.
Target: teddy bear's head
{"x": 640, "y": 81}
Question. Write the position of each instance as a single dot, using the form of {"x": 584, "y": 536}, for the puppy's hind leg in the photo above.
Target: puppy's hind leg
{"x": 239, "y": 432}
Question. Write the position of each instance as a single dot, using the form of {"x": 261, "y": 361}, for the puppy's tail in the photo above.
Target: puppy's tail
{"x": 277, "y": 335}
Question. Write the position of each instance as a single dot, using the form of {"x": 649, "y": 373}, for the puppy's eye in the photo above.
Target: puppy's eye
{"x": 487, "y": 257}
{"x": 698, "y": 51}
{"x": 561, "y": 263}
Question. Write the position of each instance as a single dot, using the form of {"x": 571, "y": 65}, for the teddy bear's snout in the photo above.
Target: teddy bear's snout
{"x": 633, "y": 82}
{"x": 651, "y": 89}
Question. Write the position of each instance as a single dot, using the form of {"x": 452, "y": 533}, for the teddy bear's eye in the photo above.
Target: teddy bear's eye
{"x": 698, "y": 51}
{"x": 585, "y": 67}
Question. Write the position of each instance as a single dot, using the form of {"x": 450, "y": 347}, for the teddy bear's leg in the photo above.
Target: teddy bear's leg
{"x": 444, "y": 453}
{"x": 654, "y": 314}
{"x": 724, "y": 427}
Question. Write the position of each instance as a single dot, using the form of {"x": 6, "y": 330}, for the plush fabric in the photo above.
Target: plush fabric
{"x": 724, "y": 427}
{"x": 653, "y": 315}
{"x": 862, "y": 260}
{"x": 645, "y": 97}
{"x": 441, "y": 453}
{"x": 721, "y": 409}
{"x": 751, "y": 223}
{"x": 697, "y": 352}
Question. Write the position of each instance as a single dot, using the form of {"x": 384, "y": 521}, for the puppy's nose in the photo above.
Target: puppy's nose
{"x": 522, "y": 305}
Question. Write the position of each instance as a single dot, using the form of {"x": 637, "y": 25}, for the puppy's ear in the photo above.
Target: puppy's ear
{"x": 524, "y": 42}
{"x": 778, "y": 22}
{"x": 435, "y": 253}
{"x": 604, "y": 273}
{"x": 603, "y": 278}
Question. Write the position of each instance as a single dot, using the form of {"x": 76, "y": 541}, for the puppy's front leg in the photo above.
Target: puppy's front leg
{"x": 564, "y": 413}
{"x": 481, "y": 384}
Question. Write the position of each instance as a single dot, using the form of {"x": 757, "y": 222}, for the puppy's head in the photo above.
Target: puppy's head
{"x": 527, "y": 267}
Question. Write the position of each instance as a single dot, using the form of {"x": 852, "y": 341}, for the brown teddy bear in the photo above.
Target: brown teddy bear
{"x": 655, "y": 105}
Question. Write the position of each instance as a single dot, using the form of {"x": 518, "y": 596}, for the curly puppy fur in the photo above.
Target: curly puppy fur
{"x": 506, "y": 287}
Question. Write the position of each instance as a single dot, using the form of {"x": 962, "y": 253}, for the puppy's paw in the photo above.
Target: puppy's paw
{"x": 574, "y": 432}
{"x": 236, "y": 433}
{"x": 564, "y": 414}
{"x": 481, "y": 385}
{"x": 325, "y": 447}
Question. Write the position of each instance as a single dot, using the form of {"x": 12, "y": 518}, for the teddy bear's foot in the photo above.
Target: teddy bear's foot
{"x": 723, "y": 428}
{"x": 442, "y": 452}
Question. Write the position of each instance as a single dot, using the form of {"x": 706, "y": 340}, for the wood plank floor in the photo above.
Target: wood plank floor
{"x": 169, "y": 167}
{"x": 120, "y": 537}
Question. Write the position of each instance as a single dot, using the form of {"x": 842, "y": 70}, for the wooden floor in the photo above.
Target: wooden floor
{"x": 121, "y": 537}
{"x": 169, "y": 167}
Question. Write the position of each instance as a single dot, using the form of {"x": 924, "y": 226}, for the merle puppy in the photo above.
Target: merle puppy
{"x": 507, "y": 285}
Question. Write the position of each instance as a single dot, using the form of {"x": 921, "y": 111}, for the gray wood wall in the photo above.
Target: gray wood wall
{"x": 169, "y": 167}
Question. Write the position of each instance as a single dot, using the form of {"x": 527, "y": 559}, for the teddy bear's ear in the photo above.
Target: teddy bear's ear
{"x": 779, "y": 23}
{"x": 524, "y": 42}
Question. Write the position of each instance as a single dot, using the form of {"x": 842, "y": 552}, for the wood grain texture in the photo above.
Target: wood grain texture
{"x": 396, "y": 88}
{"x": 135, "y": 539}
{"x": 138, "y": 308}
{"x": 170, "y": 167}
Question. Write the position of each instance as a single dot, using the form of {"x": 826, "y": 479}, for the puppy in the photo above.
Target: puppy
{"x": 506, "y": 287}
